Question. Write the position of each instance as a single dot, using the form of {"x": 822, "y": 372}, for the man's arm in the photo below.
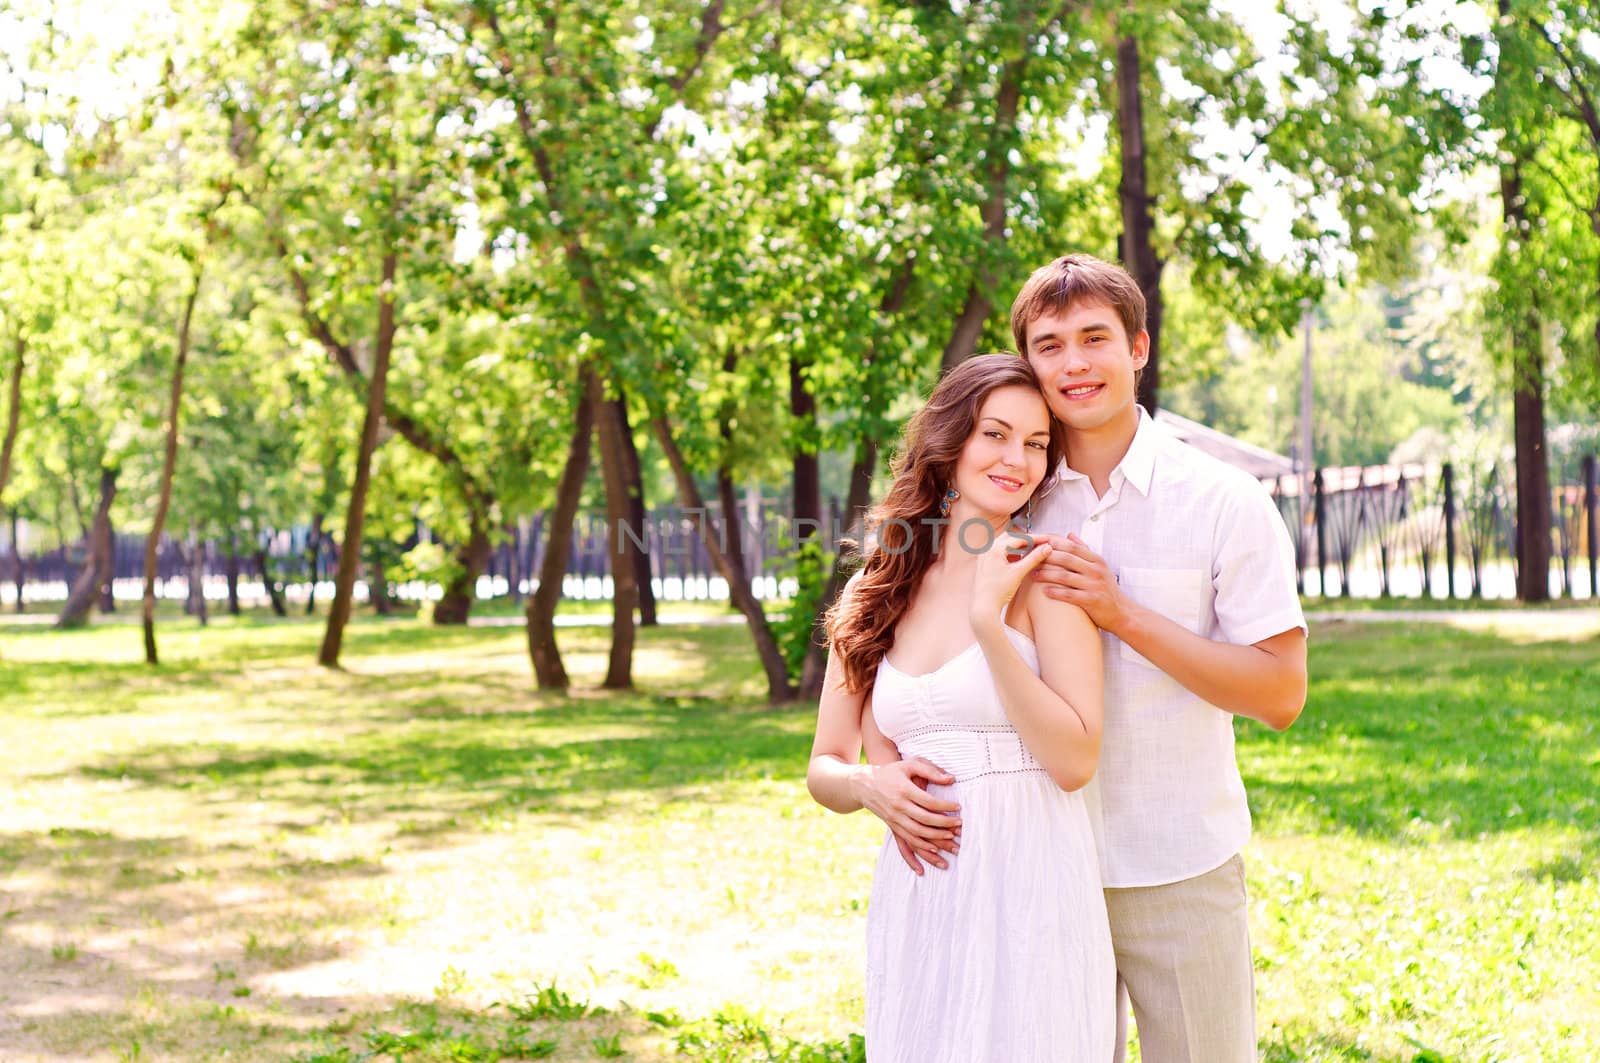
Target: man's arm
{"x": 1265, "y": 680}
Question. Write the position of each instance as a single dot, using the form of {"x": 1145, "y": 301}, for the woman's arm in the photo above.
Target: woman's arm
{"x": 892, "y": 789}
{"x": 1058, "y": 712}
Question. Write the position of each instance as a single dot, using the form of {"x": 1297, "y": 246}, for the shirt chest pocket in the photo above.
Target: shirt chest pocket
{"x": 1179, "y": 594}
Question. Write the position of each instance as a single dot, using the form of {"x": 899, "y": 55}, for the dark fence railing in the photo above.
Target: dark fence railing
{"x": 1415, "y": 531}
{"x": 1404, "y": 531}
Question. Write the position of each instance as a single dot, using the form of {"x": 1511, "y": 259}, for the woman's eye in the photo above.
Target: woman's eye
{"x": 1037, "y": 445}
{"x": 992, "y": 434}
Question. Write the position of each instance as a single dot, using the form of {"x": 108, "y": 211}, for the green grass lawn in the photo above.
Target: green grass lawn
{"x": 238, "y": 853}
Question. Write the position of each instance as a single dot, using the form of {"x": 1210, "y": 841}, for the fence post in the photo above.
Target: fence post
{"x": 1383, "y": 542}
{"x": 1299, "y": 528}
{"x": 1450, "y": 527}
{"x": 1320, "y": 517}
{"x": 1591, "y": 504}
{"x": 20, "y": 576}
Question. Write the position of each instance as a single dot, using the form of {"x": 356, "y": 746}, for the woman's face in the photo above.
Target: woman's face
{"x": 1006, "y": 456}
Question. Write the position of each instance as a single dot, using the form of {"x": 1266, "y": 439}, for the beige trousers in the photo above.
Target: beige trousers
{"x": 1183, "y": 956}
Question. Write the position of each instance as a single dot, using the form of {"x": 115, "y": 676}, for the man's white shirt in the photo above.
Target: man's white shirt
{"x": 1201, "y": 543}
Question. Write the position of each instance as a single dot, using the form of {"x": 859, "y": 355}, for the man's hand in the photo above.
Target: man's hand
{"x": 923, "y": 825}
{"x": 1074, "y": 573}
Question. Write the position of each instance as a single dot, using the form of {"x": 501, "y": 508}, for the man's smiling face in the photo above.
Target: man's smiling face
{"x": 1086, "y": 364}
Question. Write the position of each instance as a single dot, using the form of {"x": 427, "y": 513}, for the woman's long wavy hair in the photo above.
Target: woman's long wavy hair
{"x": 861, "y": 625}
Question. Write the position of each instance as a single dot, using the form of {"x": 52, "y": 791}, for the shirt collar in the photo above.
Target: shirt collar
{"x": 1138, "y": 465}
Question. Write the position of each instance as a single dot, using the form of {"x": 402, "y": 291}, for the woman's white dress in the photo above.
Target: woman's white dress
{"x": 1006, "y": 955}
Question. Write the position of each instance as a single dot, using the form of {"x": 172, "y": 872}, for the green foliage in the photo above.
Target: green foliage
{"x": 1546, "y": 146}
{"x": 550, "y": 1002}
{"x": 759, "y": 220}
{"x": 735, "y": 1034}
{"x": 1369, "y": 392}
{"x": 796, "y": 631}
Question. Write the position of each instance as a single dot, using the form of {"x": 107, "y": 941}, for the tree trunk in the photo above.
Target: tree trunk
{"x": 18, "y": 573}
{"x": 637, "y": 545}
{"x": 108, "y": 599}
{"x": 1527, "y": 406}
{"x": 624, "y": 584}
{"x": 13, "y": 414}
{"x": 232, "y": 570}
{"x": 382, "y": 603}
{"x": 548, "y": 670}
{"x": 98, "y": 570}
{"x": 313, "y": 560}
{"x": 807, "y": 501}
{"x": 195, "y": 555}
{"x": 1138, "y": 250}
{"x": 455, "y": 605}
{"x": 514, "y": 573}
{"x": 273, "y": 587}
{"x": 350, "y": 549}
{"x": 169, "y": 463}
{"x": 732, "y": 538}
{"x": 731, "y": 570}
{"x": 859, "y": 499}
{"x": 1533, "y": 483}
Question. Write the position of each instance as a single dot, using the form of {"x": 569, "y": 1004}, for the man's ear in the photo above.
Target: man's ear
{"x": 1141, "y": 349}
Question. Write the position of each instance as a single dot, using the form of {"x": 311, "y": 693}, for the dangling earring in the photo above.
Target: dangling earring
{"x": 949, "y": 497}
{"x": 1027, "y": 517}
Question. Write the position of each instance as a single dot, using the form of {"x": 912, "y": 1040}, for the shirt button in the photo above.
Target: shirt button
{"x": 1095, "y": 517}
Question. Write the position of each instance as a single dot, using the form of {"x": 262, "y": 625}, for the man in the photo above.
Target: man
{"x": 1188, "y": 570}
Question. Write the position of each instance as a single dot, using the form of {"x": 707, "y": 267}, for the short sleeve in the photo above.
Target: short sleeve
{"x": 1253, "y": 571}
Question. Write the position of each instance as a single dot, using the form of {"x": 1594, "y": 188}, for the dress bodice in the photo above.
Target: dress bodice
{"x": 952, "y": 715}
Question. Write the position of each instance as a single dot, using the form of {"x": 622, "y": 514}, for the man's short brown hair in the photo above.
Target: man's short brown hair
{"x": 1074, "y": 279}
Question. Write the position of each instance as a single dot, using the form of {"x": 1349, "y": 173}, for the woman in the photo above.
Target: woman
{"x": 980, "y": 706}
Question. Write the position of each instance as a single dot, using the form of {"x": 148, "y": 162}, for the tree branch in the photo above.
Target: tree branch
{"x": 1560, "y": 182}
{"x": 410, "y": 429}
{"x": 1584, "y": 102}
{"x": 711, "y": 28}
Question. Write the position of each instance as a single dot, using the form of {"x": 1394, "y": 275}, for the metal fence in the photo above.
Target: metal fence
{"x": 1411, "y": 531}
{"x": 1416, "y": 531}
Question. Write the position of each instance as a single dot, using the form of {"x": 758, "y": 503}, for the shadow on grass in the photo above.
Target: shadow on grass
{"x": 543, "y": 1024}
{"x": 1409, "y": 734}
{"x": 84, "y": 912}
{"x": 104, "y": 865}
{"x": 1435, "y": 732}
{"x": 1307, "y": 1045}
{"x": 345, "y": 1029}
{"x": 453, "y": 769}
{"x": 393, "y": 670}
